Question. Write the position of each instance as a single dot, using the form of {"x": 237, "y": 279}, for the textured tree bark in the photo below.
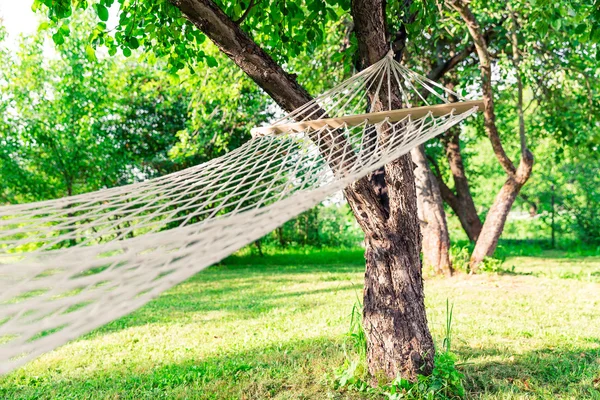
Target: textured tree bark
{"x": 517, "y": 177}
{"x": 394, "y": 319}
{"x": 496, "y": 217}
{"x": 434, "y": 228}
{"x": 461, "y": 201}
{"x": 398, "y": 339}
{"x": 384, "y": 203}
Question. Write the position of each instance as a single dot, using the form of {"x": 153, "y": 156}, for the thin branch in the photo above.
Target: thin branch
{"x": 516, "y": 60}
{"x": 452, "y": 62}
{"x": 435, "y": 164}
{"x": 348, "y": 29}
{"x": 447, "y": 193}
{"x": 530, "y": 202}
{"x": 245, "y": 14}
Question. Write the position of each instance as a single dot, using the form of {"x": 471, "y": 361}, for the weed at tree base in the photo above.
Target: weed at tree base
{"x": 445, "y": 382}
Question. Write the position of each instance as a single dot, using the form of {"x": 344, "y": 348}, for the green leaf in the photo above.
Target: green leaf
{"x": 36, "y": 5}
{"x": 102, "y": 12}
{"x": 581, "y": 28}
{"x": 43, "y": 26}
{"x": 134, "y": 43}
{"x": 58, "y": 38}
{"x": 126, "y": 51}
{"x": 332, "y": 14}
{"x": 542, "y": 27}
{"x": 64, "y": 30}
{"x": 595, "y": 34}
{"x": 211, "y": 61}
{"x": 90, "y": 53}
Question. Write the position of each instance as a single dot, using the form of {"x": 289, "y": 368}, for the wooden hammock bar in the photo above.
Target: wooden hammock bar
{"x": 373, "y": 118}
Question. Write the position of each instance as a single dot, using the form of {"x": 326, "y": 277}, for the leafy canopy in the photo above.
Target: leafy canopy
{"x": 285, "y": 28}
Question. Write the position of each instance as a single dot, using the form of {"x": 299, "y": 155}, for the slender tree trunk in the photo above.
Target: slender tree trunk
{"x": 496, "y": 219}
{"x": 70, "y": 215}
{"x": 461, "y": 201}
{"x": 384, "y": 203}
{"x": 258, "y": 245}
{"x": 436, "y": 241}
{"x": 516, "y": 177}
{"x": 280, "y": 237}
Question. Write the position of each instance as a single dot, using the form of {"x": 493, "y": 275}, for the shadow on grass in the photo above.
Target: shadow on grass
{"x": 245, "y": 288}
{"x": 296, "y": 369}
{"x": 226, "y": 272}
{"x": 303, "y": 370}
{"x": 544, "y": 373}
{"x": 310, "y": 257}
{"x": 242, "y": 293}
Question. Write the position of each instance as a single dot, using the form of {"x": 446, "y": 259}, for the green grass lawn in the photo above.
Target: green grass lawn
{"x": 274, "y": 327}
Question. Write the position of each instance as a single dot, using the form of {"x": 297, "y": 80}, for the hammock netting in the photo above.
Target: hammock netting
{"x": 68, "y": 266}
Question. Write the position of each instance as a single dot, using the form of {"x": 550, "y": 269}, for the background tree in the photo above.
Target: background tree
{"x": 51, "y": 112}
{"x": 519, "y": 40}
{"x": 82, "y": 123}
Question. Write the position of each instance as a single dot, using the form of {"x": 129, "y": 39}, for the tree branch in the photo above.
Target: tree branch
{"x": 447, "y": 194}
{"x": 516, "y": 60}
{"x": 238, "y": 46}
{"x": 399, "y": 41}
{"x": 245, "y": 14}
{"x": 533, "y": 206}
{"x": 262, "y": 69}
{"x": 443, "y": 68}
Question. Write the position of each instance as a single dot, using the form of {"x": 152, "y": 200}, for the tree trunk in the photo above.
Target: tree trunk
{"x": 461, "y": 201}
{"x": 494, "y": 223}
{"x": 436, "y": 241}
{"x": 495, "y": 220}
{"x": 384, "y": 203}
{"x": 398, "y": 339}
{"x": 394, "y": 319}
{"x": 280, "y": 237}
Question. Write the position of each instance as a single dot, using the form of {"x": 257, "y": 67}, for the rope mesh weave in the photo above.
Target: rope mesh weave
{"x": 68, "y": 266}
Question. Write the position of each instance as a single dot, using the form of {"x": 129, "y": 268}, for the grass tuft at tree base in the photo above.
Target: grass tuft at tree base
{"x": 445, "y": 381}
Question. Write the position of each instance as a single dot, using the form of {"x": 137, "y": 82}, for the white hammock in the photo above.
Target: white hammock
{"x": 70, "y": 265}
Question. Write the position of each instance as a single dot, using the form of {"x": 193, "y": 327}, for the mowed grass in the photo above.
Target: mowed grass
{"x": 273, "y": 327}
